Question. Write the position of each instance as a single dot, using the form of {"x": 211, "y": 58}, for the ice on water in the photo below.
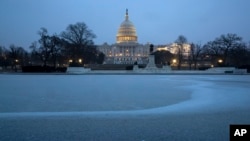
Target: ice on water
{"x": 119, "y": 95}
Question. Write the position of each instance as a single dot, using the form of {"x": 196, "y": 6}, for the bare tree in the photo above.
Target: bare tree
{"x": 44, "y": 50}
{"x": 238, "y": 55}
{"x": 213, "y": 51}
{"x": 49, "y": 49}
{"x": 181, "y": 40}
{"x": 56, "y": 48}
{"x": 226, "y": 43}
{"x": 80, "y": 41}
{"x": 3, "y": 57}
{"x": 16, "y": 56}
{"x": 223, "y": 46}
{"x": 195, "y": 52}
{"x": 35, "y": 55}
{"x": 212, "y": 48}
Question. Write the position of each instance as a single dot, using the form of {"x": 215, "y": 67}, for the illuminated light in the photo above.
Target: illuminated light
{"x": 212, "y": 66}
{"x": 220, "y": 61}
{"x": 80, "y": 60}
{"x": 174, "y": 60}
{"x": 162, "y": 49}
{"x": 16, "y": 60}
{"x": 70, "y": 60}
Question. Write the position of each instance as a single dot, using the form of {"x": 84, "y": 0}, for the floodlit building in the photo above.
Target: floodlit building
{"x": 174, "y": 49}
{"x": 127, "y": 50}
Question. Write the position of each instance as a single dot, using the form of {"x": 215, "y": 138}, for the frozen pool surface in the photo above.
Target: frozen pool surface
{"x": 119, "y": 95}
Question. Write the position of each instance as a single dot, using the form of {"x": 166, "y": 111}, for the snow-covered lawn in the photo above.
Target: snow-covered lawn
{"x": 171, "y": 101}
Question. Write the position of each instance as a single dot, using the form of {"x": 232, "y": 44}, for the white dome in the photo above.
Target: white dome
{"x": 127, "y": 31}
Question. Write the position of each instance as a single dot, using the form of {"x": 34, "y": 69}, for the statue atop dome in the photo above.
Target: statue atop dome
{"x": 126, "y": 17}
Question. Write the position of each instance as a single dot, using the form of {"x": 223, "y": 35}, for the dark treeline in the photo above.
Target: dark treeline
{"x": 75, "y": 47}
{"x": 224, "y": 51}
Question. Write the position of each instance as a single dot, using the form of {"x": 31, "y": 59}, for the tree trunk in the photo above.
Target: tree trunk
{"x": 195, "y": 64}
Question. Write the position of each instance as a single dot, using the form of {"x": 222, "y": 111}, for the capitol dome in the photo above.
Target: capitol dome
{"x": 127, "y": 31}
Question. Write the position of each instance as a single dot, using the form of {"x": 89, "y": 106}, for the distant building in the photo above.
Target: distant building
{"x": 174, "y": 48}
{"x": 127, "y": 50}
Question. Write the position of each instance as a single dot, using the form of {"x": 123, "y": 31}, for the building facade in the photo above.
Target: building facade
{"x": 174, "y": 49}
{"x": 127, "y": 50}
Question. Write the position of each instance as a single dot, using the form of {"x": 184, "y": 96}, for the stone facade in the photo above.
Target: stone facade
{"x": 125, "y": 53}
{"x": 127, "y": 50}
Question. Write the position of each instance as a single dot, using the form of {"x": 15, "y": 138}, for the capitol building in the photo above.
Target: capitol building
{"x": 127, "y": 50}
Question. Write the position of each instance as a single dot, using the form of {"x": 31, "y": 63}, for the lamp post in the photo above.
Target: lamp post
{"x": 15, "y": 63}
{"x": 80, "y": 61}
{"x": 220, "y": 62}
{"x": 174, "y": 61}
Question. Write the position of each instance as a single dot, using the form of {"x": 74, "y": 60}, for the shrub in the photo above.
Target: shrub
{"x": 43, "y": 69}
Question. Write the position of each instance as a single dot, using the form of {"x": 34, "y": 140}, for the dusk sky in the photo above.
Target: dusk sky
{"x": 156, "y": 21}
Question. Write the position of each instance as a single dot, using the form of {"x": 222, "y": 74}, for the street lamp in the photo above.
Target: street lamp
{"x": 70, "y": 60}
{"x": 174, "y": 61}
{"x": 80, "y": 60}
{"x": 220, "y": 61}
